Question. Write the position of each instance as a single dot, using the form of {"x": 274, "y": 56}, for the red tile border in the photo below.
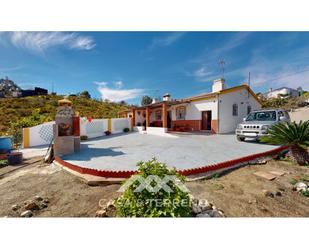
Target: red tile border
{"x": 187, "y": 172}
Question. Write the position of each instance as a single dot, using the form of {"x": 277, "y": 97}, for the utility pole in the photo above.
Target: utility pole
{"x": 221, "y": 65}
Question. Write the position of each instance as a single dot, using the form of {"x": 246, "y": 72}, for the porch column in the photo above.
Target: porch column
{"x": 147, "y": 116}
{"x": 164, "y": 115}
{"x": 133, "y": 119}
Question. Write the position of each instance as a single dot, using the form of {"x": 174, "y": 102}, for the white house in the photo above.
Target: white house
{"x": 218, "y": 111}
{"x": 283, "y": 92}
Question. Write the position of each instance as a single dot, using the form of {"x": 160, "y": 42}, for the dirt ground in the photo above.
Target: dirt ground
{"x": 238, "y": 193}
{"x": 68, "y": 195}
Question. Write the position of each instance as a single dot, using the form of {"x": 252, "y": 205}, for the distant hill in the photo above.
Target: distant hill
{"x": 9, "y": 89}
{"x": 43, "y": 108}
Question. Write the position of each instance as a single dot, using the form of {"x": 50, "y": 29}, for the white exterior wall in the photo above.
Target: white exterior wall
{"x": 228, "y": 122}
{"x": 139, "y": 118}
{"x": 153, "y": 114}
{"x": 194, "y": 109}
{"x": 283, "y": 91}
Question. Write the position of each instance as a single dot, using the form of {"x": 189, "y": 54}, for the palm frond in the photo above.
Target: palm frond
{"x": 289, "y": 134}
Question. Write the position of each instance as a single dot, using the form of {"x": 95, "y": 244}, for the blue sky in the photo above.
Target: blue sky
{"x": 126, "y": 65}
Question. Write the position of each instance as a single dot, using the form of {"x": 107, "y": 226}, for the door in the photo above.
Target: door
{"x": 206, "y": 120}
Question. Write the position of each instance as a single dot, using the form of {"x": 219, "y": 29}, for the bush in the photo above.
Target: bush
{"x": 159, "y": 203}
{"x": 84, "y": 138}
{"x": 126, "y": 130}
{"x": 107, "y": 133}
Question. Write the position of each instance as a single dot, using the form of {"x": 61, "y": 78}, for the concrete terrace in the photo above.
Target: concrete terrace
{"x": 122, "y": 152}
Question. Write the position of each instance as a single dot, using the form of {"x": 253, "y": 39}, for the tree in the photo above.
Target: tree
{"x": 85, "y": 94}
{"x": 295, "y": 135}
{"x": 146, "y": 100}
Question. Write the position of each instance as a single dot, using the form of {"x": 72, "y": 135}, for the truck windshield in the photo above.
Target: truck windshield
{"x": 262, "y": 116}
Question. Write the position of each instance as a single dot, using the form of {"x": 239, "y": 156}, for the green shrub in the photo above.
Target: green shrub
{"x": 126, "y": 130}
{"x": 107, "y": 133}
{"x": 159, "y": 203}
{"x": 84, "y": 138}
{"x": 305, "y": 193}
{"x": 3, "y": 163}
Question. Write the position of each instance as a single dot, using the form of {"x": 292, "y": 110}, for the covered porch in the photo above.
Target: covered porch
{"x": 164, "y": 116}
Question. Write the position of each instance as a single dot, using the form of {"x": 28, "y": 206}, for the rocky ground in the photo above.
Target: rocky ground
{"x": 36, "y": 189}
{"x": 240, "y": 193}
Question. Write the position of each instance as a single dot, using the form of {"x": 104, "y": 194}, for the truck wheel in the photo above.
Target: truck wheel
{"x": 241, "y": 139}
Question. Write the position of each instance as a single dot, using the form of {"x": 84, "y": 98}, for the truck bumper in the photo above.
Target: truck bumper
{"x": 250, "y": 134}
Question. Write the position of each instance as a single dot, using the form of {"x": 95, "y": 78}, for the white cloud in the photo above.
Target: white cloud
{"x": 9, "y": 69}
{"x": 41, "y": 41}
{"x": 202, "y": 74}
{"x": 207, "y": 60}
{"x": 166, "y": 40}
{"x": 277, "y": 72}
{"x": 234, "y": 41}
{"x": 101, "y": 83}
{"x": 117, "y": 94}
{"x": 118, "y": 84}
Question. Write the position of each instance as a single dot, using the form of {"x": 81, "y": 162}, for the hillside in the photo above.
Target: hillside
{"x": 38, "y": 109}
{"x": 286, "y": 103}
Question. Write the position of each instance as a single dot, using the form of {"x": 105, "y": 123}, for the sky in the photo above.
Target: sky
{"x": 127, "y": 65}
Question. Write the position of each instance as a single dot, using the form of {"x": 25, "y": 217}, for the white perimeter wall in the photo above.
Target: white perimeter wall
{"x": 118, "y": 124}
{"x": 228, "y": 122}
{"x": 95, "y": 128}
{"x": 43, "y": 134}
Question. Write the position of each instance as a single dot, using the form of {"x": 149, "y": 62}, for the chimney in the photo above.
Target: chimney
{"x": 218, "y": 85}
{"x": 166, "y": 97}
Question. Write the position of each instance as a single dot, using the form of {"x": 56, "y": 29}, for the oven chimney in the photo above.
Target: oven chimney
{"x": 167, "y": 97}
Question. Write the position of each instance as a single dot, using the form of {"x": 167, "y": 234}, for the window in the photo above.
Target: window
{"x": 235, "y": 110}
{"x": 262, "y": 116}
{"x": 180, "y": 113}
{"x": 158, "y": 115}
{"x": 248, "y": 109}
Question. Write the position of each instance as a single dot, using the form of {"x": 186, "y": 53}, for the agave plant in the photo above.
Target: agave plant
{"x": 295, "y": 135}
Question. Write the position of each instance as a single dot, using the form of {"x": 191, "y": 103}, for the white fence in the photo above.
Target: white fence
{"x": 118, "y": 124}
{"x": 95, "y": 128}
{"x": 43, "y": 134}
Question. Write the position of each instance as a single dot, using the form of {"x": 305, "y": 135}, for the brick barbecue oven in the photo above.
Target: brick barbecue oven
{"x": 66, "y": 129}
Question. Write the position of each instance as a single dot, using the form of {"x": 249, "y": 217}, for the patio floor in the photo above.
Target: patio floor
{"x": 122, "y": 152}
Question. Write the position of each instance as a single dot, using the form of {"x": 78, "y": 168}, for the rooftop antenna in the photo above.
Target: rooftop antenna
{"x": 221, "y": 65}
{"x": 249, "y": 78}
